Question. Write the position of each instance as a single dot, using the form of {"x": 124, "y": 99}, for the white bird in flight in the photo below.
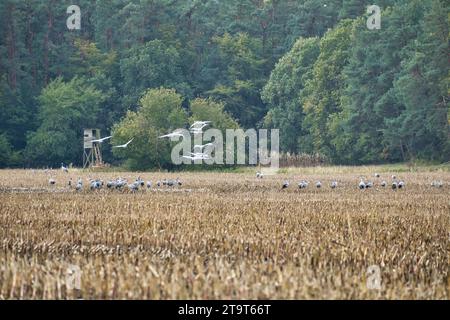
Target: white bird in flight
{"x": 171, "y": 135}
{"x": 197, "y": 156}
{"x": 197, "y": 127}
{"x": 123, "y": 146}
{"x": 197, "y": 130}
{"x": 201, "y": 124}
{"x": 102, "y": 139}
{"x": 176, "y": 133}
{"x": 194, "y": 158}
{"x": 201, "y": 147}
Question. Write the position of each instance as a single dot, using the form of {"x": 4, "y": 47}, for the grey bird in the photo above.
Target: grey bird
{"x": 95, "y": 184}
{"x": 140, "y": 182}
{"x": 303, "y": 184}
{"x": 110, "y": 184}
{"x": 437, "y": 184}
{"x": 64, "y": 168}
{"x": 362, "y": 184}
{"x": 79, "y": 185}
{"x": 133, "y": 187}
{"x": 394, "y": 185}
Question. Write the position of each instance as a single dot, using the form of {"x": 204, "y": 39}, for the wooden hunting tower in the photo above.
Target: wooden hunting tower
{"x": 92, "y": 155}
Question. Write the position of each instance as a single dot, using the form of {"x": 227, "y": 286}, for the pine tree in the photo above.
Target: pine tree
{"x": 324, "y": 90}
{"x": 421, "y": 87}
{"x": 283, "y": 92}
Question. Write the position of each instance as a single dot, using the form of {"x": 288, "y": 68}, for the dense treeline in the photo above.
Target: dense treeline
{"x": 311, "y": 68}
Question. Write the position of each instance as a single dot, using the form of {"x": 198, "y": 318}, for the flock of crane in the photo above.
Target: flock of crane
{"x": 197, "y": 128}
{"x": 362, "y": 185}
{"x": 123, "y": 184}
{"x": 116, "y": 184}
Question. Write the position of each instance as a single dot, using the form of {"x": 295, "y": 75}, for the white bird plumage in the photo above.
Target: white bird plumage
{"x": 175, "y": 134}
{"x": 197, "y": 127}
{"x": 124, "y": 146}
{"x": 303, "y": 184}
{"x": 101, "y": 140}
{"x": 202, "y": 146}
{"x": 64, "y": 168}
{"x": 362, "y": 184}
{"x": 437, "y": 184}
{"x": 200, "y": 124}
{"x": 195, "y": 157}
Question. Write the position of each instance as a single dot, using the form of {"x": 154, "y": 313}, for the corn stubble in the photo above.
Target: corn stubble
{"x": 223, "y": 236}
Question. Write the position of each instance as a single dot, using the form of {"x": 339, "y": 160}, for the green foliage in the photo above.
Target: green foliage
{"x": 66, "y": 108}
{"x": 16, "y": 116}
{"x": 379, "y": 120}
{"x": 5, "y": 151}
{"x": 240, "y": 90}
{"x": 421, "y": 87}
{"x": 87, "y": 59}
{"x": 353, "y": 94}
{"x": 324, "y": 90}
{"x": 159, "y": 113}
{"x": 283, "y": 92}
{"x": 210, "y": 110}
{"x": 151, "y": 65}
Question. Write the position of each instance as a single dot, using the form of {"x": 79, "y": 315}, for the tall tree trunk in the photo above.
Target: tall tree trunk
{"x": 29, "y": 44}
{"x": 12, "y": 74}
{"x": 46, "y": 42}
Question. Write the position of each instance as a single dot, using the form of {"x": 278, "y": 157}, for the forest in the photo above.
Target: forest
{"x": 140, "y": 68}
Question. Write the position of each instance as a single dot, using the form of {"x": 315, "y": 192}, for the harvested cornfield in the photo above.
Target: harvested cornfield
{"x": 225, "y": 236}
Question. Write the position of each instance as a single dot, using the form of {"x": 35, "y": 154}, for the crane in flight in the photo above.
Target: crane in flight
{"x": 197, "y": 156}
{"x": 176, "y": 133}
{"x": 201, "y": 124}
{"x": 197, "y": 127}
{"x": 201, "y": 147}
{"x": 124, "y": 146}
{"x": 101, "y": 140}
